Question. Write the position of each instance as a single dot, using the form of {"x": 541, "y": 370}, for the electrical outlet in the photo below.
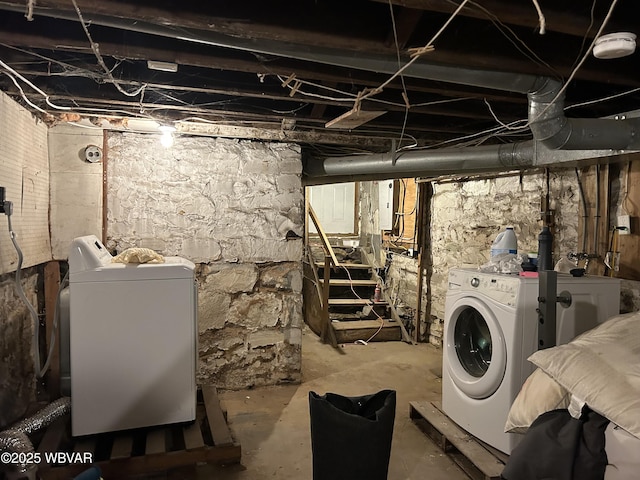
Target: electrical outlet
{"x": 624, "y": 221}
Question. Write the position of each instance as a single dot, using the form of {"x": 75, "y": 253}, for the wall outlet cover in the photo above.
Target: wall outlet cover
{"x": 624, "y": 221}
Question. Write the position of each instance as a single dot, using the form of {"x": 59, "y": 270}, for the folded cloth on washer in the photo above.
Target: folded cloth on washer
{"x": 138, "y": 255}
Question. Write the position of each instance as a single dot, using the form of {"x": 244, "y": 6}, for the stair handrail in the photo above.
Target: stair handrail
{"x": 323, "y": 237}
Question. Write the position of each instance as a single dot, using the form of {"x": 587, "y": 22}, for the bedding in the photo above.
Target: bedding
{"x": 539, "y": 394}
{"x": 600, "y": 369}
{"x": 559, "y": 446}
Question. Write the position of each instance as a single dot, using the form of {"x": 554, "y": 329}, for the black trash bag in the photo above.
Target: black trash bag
{"x": 351, "y": 436}
{"x": 558, "y": 446}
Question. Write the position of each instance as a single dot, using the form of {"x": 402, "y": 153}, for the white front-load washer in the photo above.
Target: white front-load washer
{"x": 491, "y": 328}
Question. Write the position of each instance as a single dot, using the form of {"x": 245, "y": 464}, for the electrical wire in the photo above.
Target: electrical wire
{"x": 96, "y": 51}
{"x": 586, "y": 33}
{"x": 514, "y": 39}
{"x": 580, "y": 63}
{"x": 604, "y": 99}
{"x": 417, "y": 55}
{"x": 495, "y": 117}
{"x": 32, "y": 85}
{"x": 24, "y": 97}
{"x": 39, "y": 370}
{"x": 405, "y": 95}
{"x": 365, "y": 342}
{"x": 541, "y": 18}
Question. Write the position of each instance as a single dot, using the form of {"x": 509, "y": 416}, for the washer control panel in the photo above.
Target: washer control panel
{"x": 502, "y": 288}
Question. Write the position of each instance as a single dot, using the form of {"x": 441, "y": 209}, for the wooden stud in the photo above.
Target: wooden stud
{"x": 51, "y": 287}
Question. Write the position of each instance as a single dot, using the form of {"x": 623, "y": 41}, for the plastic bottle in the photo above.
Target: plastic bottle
{"x": 545, "y": 249}
{"x": 505, "y": 242}
{"x": 377, "y": 294}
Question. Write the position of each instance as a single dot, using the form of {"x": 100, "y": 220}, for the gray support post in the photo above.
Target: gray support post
{"x": 547, "y": 291}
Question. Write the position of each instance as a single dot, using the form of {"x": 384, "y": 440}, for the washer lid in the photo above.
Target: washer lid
{"x": 173, "y": 267}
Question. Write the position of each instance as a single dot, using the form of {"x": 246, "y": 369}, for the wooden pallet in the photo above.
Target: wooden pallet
{"x": 146, "y": 450}
{"x": 474, "y": 458}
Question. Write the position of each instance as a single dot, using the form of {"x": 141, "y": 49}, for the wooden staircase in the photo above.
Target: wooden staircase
{"x": 342, "y": 309}
{"x": 339, "y": 303}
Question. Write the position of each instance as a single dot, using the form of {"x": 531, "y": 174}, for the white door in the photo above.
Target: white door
{"x": 335, "y": 207}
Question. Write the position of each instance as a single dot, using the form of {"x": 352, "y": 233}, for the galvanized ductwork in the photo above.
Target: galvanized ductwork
{"x": 551, "y": 129}
{"x": 412, "y": 163}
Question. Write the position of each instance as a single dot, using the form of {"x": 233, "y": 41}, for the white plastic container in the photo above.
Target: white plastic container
{"x": 505, "y": 242}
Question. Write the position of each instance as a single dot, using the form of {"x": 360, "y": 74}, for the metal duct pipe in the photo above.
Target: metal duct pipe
{"x": 45, "y": 416}
{"x": 16, "y": 440}
{"x": 409, "y": 163}
{"x": 550, "y": 126}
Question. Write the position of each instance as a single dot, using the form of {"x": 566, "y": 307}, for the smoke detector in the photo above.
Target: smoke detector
{"x": 615, "y": 45}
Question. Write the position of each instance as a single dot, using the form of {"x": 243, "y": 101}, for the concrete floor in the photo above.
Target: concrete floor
{"x": 272, "y": 423}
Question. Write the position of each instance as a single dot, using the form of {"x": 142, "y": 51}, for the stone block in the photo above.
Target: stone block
{"x": 283, "y": 276}
{"x": 230, "y": 278}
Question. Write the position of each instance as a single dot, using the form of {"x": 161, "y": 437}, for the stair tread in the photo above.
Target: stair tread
{"x": 355, "y": 282}
{"x": 362, "y": 324}
{"x": 354, "y": 301}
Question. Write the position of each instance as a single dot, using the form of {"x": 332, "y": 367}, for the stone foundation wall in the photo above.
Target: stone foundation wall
{"x": 466, "y": 217}
{"x": 235, "y": 208}
{"x": 250, "y": 323}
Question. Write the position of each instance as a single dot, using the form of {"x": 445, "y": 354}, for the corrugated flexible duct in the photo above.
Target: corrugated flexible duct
{"x": 16, "y": 440}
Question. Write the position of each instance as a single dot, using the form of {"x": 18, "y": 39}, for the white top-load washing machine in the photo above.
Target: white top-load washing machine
{"x": 133, "y": 341}
{"x": 491, "y": 328}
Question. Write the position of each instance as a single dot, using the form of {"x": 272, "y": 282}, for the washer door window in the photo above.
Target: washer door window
{"x": 475, "y": 348}
{"x": 473, "y": 342}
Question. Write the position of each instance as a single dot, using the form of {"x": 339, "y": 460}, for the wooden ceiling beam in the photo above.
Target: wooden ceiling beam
{"x": 282, "y": 67}
{"x": 475, "y": 113}
{"x": 307, "y": 128}
{"x": 406, "y": 21}
{"x": 521, "y": 14}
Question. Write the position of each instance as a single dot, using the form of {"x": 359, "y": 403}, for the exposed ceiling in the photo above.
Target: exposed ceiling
{"x": 287, "y": 69}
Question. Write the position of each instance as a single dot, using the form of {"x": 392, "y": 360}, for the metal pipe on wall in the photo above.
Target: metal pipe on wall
{"x": 596, "y": 216}
{"x": 583, "y": 247}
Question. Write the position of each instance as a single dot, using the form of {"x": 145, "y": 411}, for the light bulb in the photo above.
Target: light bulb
{"x": 166, "y": 140}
